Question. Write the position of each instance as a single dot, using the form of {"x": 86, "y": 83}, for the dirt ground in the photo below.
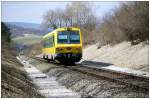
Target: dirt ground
{"x": 14, "y": 83}
{"x": 122, "y": 55}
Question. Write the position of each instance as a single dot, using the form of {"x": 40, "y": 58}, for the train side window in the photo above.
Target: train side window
{"x": 47, "y": 43}
{"x": 51, "y": 41}
{"x": 44, "y": 43}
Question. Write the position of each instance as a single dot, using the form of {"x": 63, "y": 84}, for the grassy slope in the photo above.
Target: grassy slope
{"x": 27, "y": 40}
{"x": 14, "y": 82}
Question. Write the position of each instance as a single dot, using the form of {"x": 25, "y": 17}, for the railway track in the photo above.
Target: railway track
{"x": 121, "y": 78}
{"x": 130, "y": 80}
{"x": 46, "y": 86}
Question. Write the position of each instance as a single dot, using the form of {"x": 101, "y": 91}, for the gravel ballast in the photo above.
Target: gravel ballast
{"x": 89, "y": 86}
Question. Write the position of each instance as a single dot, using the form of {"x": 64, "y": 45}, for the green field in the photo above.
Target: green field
{"x": 27, "y": 39}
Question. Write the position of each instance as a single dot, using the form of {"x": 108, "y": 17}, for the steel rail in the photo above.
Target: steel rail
{"x": 133, "y": 81}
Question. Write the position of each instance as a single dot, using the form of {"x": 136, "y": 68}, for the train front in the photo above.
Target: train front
{"x": 69, "y": 46}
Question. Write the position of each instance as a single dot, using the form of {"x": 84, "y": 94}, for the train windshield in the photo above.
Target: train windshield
{"x": 62, "y": 38}
{"x": 69, "y": 37}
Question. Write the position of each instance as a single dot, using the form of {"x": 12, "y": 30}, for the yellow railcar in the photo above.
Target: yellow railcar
{"x": 63, "y": 45}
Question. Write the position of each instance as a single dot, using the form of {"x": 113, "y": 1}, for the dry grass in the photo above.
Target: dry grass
{"x": 123, "y": 54}
{"x": 14, "y": 82}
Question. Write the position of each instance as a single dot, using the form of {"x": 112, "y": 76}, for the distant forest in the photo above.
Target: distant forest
{"x": 19, "y": 30}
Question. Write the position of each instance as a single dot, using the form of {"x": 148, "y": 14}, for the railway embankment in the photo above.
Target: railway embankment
{"x": 121, "y": 57}
{"x": 14, "y": 82}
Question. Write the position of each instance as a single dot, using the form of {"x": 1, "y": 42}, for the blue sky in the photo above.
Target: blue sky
{"x": 32, "y": 12}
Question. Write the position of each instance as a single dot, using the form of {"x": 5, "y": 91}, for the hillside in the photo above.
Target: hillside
{"x": 22, "y": 43}
{"x": 14, "y": 82}
{"x": 19, "y": 29}
{"x": 27, "y": 39}
{"x": 122, "y": 55}
{"x": 25, "y": 25}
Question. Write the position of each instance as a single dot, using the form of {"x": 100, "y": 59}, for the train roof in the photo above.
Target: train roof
{"x": 60, "y": 29}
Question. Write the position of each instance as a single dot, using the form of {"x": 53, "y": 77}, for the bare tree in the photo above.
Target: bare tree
{"x": 76, "y": 14}
{"x": 128, "y": 22}
{"x": 50, "y": 19}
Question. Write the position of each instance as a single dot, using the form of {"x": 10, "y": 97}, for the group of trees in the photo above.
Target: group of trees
{"x": 128, "y": 22}
{"x": 5, "y": 34}
{"x": 77, "y": 14}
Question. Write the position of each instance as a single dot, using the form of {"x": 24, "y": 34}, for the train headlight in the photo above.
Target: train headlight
{"x": 78, "y": 49}
{"x": 59, "y": 49}
{"x": 68, "y": 48}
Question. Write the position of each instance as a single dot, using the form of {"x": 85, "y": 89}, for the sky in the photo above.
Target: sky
{"x": 32, "y": 12}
